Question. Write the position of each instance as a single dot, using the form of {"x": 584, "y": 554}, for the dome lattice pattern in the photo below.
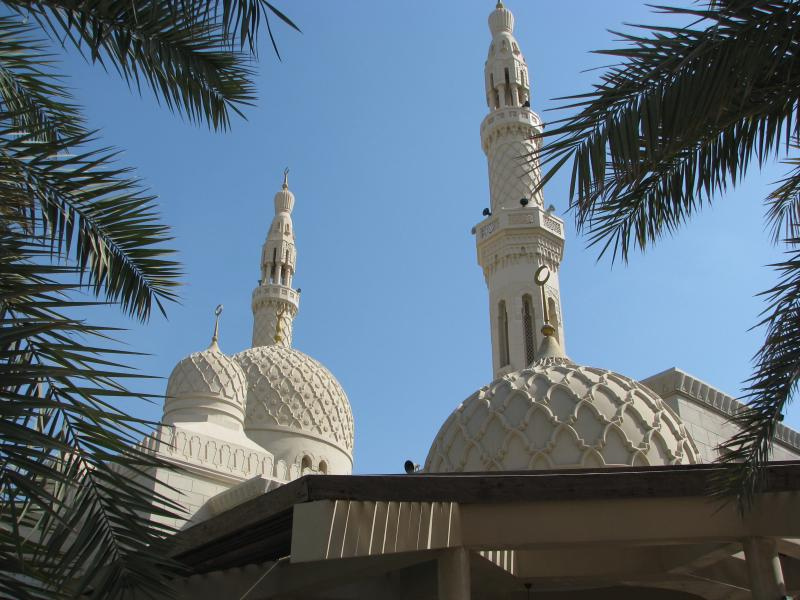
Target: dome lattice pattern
{"x": 556, "y": 414}
{"x": 288, "y": 388}
{"x": 208, "y": 373}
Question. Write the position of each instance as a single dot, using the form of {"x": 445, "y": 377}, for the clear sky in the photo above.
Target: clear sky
{"x": 375, "y": 108}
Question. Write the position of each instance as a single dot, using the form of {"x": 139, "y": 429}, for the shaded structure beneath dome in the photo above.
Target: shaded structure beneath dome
{"x": 348, "y": 537}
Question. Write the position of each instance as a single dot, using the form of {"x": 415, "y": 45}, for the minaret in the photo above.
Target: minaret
{"x": 518, "y": 235}
{"x": 275, "y": 302}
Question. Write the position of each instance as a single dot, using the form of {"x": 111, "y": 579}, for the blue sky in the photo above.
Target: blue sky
{"x": 375, "y": 108}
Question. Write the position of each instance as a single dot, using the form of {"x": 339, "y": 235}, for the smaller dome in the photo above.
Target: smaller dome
{"x": 284, "y": 199}
{"x": 501, "y": 20}
{"x": 206, "y": 386}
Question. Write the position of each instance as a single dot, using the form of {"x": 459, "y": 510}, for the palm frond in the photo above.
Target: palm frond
{"x": 30, "y": 88}
{"x": 771, "y": 387}
{"x": 74, "y": 485}
{"x": 680, "y": 119}
{"x": 783, "y": 214}
{"x": 90, "y": 210}
{"x": 184, "y": 51}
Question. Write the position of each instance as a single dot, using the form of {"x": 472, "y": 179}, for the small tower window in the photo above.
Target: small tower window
{"x": 502, "y": 333}
{"x": 323, "y": 467}
{"x": 305, "y": 465}
{"x": 527, "y": 326}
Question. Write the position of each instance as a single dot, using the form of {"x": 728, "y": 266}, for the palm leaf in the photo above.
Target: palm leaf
{"x": 75, "y": 485}
{"x": 184, "y": 51}
{"x": 91, "y": 211}
{"x": 680, "y": 119}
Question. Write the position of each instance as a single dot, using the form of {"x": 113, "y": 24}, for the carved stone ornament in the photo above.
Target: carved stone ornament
{"x": 207, "y": 373}
{"x": 555, "y": 414}
{"x": 288, "y": 389}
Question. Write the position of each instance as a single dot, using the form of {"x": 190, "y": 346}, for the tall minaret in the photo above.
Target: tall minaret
{"x": 518, "y": 235}
{"x": 275, "y": 302}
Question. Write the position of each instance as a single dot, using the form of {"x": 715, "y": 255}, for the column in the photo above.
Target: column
{"x": 764, "y": 569}
{"x": 453, "y": 570}
{"x": 502, "y": 92}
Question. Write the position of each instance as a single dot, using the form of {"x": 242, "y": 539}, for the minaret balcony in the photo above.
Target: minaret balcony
{"x": 509, "y": 116}
{"x": 529, "y": 218}
{"x": 275, "y": 291}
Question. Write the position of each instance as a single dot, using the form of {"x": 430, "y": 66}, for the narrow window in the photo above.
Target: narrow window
{"x": 527, "y": 325}
{"x": 323, "y": 467}
{"x": 502, "y": 332}
{"x": 508, "y": 89}
{"x": 272, "y": 273}
{"x": 305, "y": 465}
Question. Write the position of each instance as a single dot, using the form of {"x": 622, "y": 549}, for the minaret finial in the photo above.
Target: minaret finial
{"x": 550, "y": 348}
{"x": 215, "y": 338}
{"x": 285, "y": 178}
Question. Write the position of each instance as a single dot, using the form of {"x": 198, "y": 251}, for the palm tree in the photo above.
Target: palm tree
{"x": 683, "y": 115}
{"x": 76, "y": 494}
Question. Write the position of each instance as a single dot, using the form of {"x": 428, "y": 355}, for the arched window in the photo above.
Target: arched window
{"x": 305, "y": 465}
{"x": 552, "y": 312}
{"x": 502, "y": 332}
{"x": 527, "y": 326}
{"x": 323, "y": 467}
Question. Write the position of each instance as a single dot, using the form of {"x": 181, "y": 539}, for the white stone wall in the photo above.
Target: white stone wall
{"x": 706, "y": 413}
{"x": 511, "y": 246}
{"x": 190, "y": 490}
{"x": 210, "y": 466}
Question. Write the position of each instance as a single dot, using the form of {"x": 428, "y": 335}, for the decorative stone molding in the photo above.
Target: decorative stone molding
{"x": 674, "y": 381}
{"x": 555, "y": 414}
{"x": 267, "y": 309}
{"x": 220, "y": 456}
{"x": 288, "y": 389}
{"x": 209, "y": 373}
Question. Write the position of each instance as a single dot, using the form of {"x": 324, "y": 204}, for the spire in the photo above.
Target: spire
{"x": 508, "y": 133}
{"x": 520, "y": 244}
{"x": 215, "y": 338}
{"x": 275, "y": 301}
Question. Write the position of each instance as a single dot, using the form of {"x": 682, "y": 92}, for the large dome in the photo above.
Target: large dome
{"x": 555, "y": 414}
{"x": 288, "y": 390}
{"x": 206, "y": 385}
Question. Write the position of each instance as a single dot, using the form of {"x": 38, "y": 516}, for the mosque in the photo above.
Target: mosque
{"x": 555, "y": 480}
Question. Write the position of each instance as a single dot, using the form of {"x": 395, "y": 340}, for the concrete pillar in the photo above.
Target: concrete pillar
{"x": 764, "y": 569}
{"x": 453, "y": 574}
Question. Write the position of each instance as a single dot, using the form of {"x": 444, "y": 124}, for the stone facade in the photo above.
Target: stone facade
{"x": 706, "y": 414}
{"x": 239, "y": 426}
